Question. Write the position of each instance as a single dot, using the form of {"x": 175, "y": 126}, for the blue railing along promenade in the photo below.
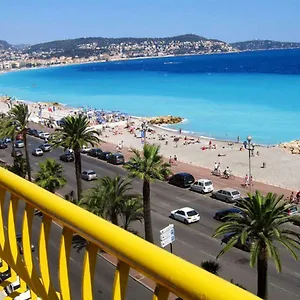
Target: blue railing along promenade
{"x": 170, "y": 273}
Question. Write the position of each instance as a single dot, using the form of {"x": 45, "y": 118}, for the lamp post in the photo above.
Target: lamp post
{"x": 250, "y": 147}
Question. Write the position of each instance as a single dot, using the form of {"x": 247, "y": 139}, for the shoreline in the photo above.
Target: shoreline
{"x": 273, "y": 165}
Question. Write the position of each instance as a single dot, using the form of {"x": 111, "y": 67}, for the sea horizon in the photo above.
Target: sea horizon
{"x": 221, "y": 96}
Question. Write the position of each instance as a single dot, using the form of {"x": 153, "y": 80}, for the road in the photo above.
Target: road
{"x": 193, "y": 242}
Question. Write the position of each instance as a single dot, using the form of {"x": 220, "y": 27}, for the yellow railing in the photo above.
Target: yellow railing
{"x": 170, "y": 273}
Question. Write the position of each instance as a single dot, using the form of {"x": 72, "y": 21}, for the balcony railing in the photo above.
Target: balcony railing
{"x": 170, "y": 273}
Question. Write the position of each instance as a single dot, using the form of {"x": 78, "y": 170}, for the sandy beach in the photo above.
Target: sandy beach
{"x": 281, "y": 167}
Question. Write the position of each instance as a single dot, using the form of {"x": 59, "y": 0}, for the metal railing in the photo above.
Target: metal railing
{"x": 170, "y": 273}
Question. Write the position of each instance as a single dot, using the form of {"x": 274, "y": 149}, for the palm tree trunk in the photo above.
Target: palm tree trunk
{"x": 27, "y": 155}
{"x": 114, "y": 218}
{"x": 78, "y": 173}
{"x": 13, "y": 146}
{"x": 262, "y": 274}
{"x": 147, "y": 211}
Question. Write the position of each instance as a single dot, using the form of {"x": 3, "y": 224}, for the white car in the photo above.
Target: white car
{"x": 202, "y": 186}
{"x": 89, "y": 175}
{"x": 186, "y": 215}
{"x": 85, "y": 149}
{"x": 19, "y": 144}
{"x": 44, "y": 135}
{"x": 37, "y": 152}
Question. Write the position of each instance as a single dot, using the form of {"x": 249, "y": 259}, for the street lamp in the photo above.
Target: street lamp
{"x": 250, "y": 147}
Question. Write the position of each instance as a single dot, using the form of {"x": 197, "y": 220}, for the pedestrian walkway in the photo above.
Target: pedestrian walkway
{"x": 199, "y": 172}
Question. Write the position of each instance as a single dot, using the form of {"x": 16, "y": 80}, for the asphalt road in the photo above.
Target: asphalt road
{"x": 193, "y": 242}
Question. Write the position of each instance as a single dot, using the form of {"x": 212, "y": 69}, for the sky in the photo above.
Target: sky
{"x": 35, "y": 21}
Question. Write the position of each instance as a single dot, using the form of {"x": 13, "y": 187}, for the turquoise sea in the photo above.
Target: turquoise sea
{"x": 220, "y": 96}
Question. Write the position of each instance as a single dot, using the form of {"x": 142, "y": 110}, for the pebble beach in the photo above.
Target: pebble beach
{"x": 281, "y": 166}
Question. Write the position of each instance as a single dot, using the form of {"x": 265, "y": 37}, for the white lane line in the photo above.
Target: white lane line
{"x": 287, "y": 291}
{"x": 164, "y": 204}
{"x": 182, "y": 199}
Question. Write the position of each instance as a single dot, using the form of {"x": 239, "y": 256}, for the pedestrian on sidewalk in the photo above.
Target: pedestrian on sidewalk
{"x": 175, "y": 160}
{"x": 246, "y": 180}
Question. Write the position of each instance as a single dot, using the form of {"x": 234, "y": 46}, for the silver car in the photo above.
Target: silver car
{"x": 19, "y": 144}
{"x": 89, "y": 175}
{"x": 228, "y": 195}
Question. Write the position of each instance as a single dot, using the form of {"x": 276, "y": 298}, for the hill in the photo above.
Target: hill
{"x": 264, "y": 45}
{"x": 71, "y": 44}
{"x": 4, "y": 45}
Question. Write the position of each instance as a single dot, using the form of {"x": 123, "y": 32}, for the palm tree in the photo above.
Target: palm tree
{"x": 149, "y": 166}
{"x": 131, "y": 211}
{"x": 106, "y": 199}
{"x": 262, "y": 223}
{"x": 211, "y": 266}
{"x": 19, "y": 117}
{"x": 19, "y": 167}
{"x": 74, "y": 134}
{"x": 50, "y": 176}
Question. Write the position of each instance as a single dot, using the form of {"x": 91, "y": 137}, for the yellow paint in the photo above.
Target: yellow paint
{"x": 120, "y": 281}
{"x": 170, "y": 273}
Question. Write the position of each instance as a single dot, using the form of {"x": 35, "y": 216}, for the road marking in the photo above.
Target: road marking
{"x": 287, "y": 291}
{"x": 181, "y": 199}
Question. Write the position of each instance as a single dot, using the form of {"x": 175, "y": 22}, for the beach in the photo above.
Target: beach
{"x": 281, "y": 167}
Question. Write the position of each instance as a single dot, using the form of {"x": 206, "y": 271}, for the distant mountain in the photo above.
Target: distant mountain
{"x": 4, "y": 45}
{"x": 71, "y": 44}
{"x": 21, "y": 46}
{"x": 264, "y": 45}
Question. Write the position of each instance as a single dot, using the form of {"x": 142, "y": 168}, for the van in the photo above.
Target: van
{"x": 202, "y": 186}
{"x": 116, "y": 159}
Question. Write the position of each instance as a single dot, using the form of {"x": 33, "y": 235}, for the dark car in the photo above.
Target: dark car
{"x": 20, "y": 245}
{"x": 116, "y": 159}
{"x": 37, "y": 133}
{"x": 67, "y": 157}
{"x": 3, "y": 145}
{"x": 182, "y": 179}
{"x": 246, "y": 247}
{"x": 130, "y": 164}
{"x": 104, "y": 155}
{"x": 222, "y": 215}
{"x": 17, "y": 153}
{"x": 32, "y": 131}
{"x": 95, "y": 152}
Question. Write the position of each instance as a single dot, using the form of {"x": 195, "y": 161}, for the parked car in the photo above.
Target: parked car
{"x": 228, "y": 195}
{"x": 292, "y": 211}
{"x": 182, "y": 179}
{"x": 222, "y": 215}
{"x": 202, "y": 186}
{"x": 19, "y": 136}
{"x": 89, "y": 175}
{"x": 37, "y": 133}
{"x": 45, "y": 147}
{"x": 104, "y": 155}
{"x": 186, "y": 215}
{"x": 20, "y": 245}
{"x": 19, "y": 144}
{"x": 31, "y": 131}
{"x": 44, "y": 135}
{"x": 116, "y": 159}
{"x": 246, "y": 247}
{"x": 37, "y": 152}
{"x": 94, "y": 152}
{"x": 3, "y": 145}
{"x": 7, "y": 140}
{"x": 85, "y": 149}
{"x": 134, "y": 165}
{"x": 67, "y": 157}
{"x": 17, "y": 153}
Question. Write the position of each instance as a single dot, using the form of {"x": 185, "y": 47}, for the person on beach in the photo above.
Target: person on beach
{"x": 238, "y": 139}
{"x": 251, "y": 180}
{"x": 210, "y": 144}
{"x": 292, "y": 197}
{"x": 180, "y": 130}
{"x": 171, "y": 160}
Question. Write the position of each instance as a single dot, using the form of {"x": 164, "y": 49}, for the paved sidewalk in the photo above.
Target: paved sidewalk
{"x": 199, "y": 172}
